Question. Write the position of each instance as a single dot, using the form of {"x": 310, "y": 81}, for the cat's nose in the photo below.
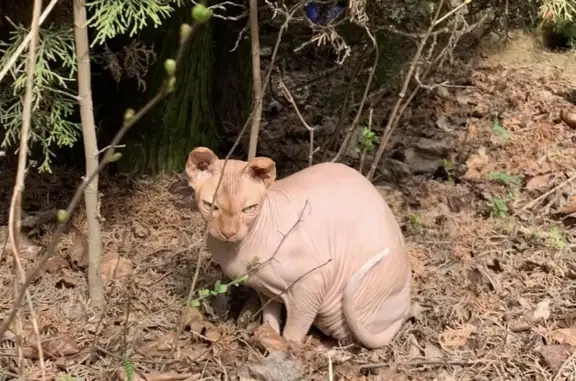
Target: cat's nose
{"x": 228, "y": 233}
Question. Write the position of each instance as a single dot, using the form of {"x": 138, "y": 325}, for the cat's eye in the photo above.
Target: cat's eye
{"x": 250, "y": 209}
{"x": 208, "y": 205}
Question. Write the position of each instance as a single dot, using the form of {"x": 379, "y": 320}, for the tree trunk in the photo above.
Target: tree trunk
{"x": 185, "y": 118}
{"x": 212, "y": 96}
{"x": 91, "y": 150}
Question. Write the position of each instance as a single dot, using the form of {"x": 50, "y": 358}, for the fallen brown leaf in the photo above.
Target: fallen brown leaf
{"x": 386, "y": 374}
{"x": 542, "y": 312}
{"x": 212, "y": 332}
{"x": 554, "y": 355}
{"x": 55, "y": 264}
{"x": 121, "y": 375}
{"x": 268, "y": 339}
{"x": 193, "y": 320}
{"x": 432, "y": 352}
{"x": 346, "y": 371}
{"x": 564, "y": 336}
{"x": 78, "y": 252}
{"x": 25, "y": 245}
{"x": 456, "y": 338}
{"x": 139, "y": 230}
{"x": 67, "y": 279}
{"x": 60, "y": 346}
{"x": 566, "y": 210}
{"x": 161, "y": 344}
{"x": 540, "y": 181}
{"x": 278, "y": 366}
{"x": 113, "y": 266}
{"x": 476, "y": 164}
{"x": 413, "y": 351}
{"x": 460, "y": 203}
{"x": 172, "y": 376}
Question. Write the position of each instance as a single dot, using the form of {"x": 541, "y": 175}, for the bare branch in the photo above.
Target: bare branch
{"x": 192, "y": 289}
{"x": 64, "y": 215}
{"x": 288, "y": 96}
{"x": 15, "y": 204}
{"x": 257, "y": 81}
{"x": 344, "y": 145}
{"x": 399, "y": 108}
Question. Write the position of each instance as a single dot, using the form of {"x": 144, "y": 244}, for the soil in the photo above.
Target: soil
{"x": 477, "y": 176}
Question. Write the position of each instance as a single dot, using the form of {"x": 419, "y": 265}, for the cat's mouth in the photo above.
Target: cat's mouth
{"x": 228, "y": 238}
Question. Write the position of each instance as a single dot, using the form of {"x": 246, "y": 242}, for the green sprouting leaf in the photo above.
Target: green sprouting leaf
{"x": 504, "y": 177}
{"x": 222, "y": 289}
{"x": 498, "y": 129}
{"x": 204, "y": 293}
{"x": 195, "y": 303}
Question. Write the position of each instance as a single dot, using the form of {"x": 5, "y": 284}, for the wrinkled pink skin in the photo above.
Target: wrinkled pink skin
{"x": 343, "y": 268}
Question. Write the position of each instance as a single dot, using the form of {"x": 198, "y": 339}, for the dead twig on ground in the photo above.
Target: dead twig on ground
{"x": 539, "y": 199}
{"x": 420, "y": 362}
{"x": 288, "y": 96}
{"x": 130, "y": 119}
{"x": 394, "y": 114}
{"x": 16, "y": 202}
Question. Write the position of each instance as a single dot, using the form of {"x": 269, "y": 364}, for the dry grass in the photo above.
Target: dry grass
{"x": 479, "y": 277}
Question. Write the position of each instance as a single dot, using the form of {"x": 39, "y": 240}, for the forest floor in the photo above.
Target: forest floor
{"x": 477, "y": 178}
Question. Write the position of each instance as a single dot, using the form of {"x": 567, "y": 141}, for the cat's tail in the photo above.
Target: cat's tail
{"x": 388, "y": 302}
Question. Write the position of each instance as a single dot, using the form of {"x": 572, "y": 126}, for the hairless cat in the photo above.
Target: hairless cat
{"x": 330, "y": 247}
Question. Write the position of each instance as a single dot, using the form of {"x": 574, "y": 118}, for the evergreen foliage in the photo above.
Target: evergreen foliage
{"x": 55, "y": 80}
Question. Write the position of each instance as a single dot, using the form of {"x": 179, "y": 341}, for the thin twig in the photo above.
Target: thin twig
{"x": 390, "y": 128}
{"x": 352, "y": 127}
{"x": 113, "y": 147}
{"x": 108, "y": 157}
{"x": 15, "y": 204}
{"x": 566, "y": 364}
{"x": 332, "y": 141}
{"x": 288, "y": 95}
{"x": 419, "y": 362}
{"x": 275, "y": 297}
{"x": 256, "y": 80}
{"x": 537, "y": 200}
{"x": 393, "y": 115}
{"x": 192, "y": 289}
{"x": 26, "y": 41}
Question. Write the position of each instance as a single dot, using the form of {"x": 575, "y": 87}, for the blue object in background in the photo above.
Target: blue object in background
{"x": 334, "y": 12}
{"x": 311, "y": 11}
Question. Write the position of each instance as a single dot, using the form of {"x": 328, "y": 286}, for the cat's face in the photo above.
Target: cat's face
{"x": 240, "y": 195}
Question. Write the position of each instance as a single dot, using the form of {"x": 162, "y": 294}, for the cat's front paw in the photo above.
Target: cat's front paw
{"x": 294, "y": 346}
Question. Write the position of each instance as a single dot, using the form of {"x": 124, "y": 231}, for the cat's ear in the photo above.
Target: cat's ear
{"x": 199, "y": 160}
{"x": 262, "y": 168}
